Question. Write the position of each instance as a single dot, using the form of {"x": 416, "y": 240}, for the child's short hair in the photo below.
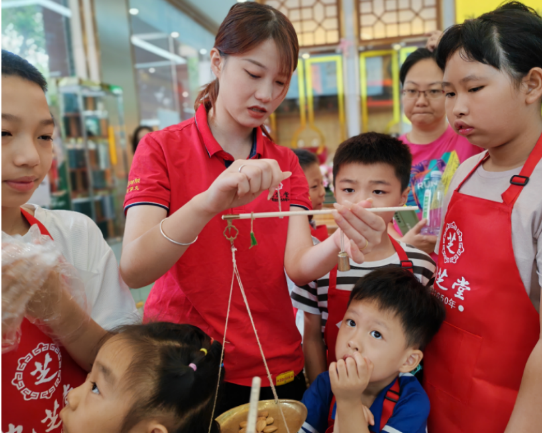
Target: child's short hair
{"x": 413, "y": 58}
{"x": 12, "y": 64}
{"x": 306, "y": 158}
{"x": 508, "y": 38}
{"x": 397, "y": 290}
{"x": 165, "y": 385}
{"x": 374, "y": 148}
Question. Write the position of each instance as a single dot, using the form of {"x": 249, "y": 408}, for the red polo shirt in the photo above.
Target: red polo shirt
{"x": 169, "y": 168}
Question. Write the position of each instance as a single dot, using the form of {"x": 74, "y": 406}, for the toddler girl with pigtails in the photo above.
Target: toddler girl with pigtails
{"x": 153, "y": 378}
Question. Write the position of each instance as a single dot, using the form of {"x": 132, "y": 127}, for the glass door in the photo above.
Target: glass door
{"x": 380, "y": 91}
{"x": 312, "y": 114}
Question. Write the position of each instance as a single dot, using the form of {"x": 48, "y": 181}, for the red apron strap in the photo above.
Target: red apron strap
{"x": 390, "y": 400}
{"x": 518, "y": 181}
{"x": 32, "y": 220}
{"x": 320, "y": 232}
{"x": 333, "y": 278}
{"x": 330, "y": 420}
{"x": 405, "y": 262}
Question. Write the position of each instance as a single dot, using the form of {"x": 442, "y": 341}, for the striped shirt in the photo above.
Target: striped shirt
{"x": 312, "y": 297}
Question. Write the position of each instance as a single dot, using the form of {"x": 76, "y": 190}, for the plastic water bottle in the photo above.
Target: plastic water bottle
{"x": 433, "y": 199}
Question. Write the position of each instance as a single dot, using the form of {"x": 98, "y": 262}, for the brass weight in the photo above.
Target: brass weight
{"x": 344, "y": 262}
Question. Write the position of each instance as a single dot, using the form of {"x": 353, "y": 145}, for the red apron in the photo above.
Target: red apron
{"x": 320, "y": 232}
{"x": 474, "y": 366}
{"x": 36, "y": 377}
{"x": 337, "y": 302}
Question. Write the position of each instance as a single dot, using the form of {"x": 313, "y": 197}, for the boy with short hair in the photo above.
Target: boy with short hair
{"x": 35, "y": 390}
{"x": 368, "y": 166}
{"x": 390, "y": 319}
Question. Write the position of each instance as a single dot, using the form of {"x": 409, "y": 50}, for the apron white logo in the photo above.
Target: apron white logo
{"x": 38, "y": 373}
{"x": 452, "y": 243}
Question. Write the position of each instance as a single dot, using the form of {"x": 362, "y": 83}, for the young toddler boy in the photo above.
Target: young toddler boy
{"x": 368, "y": 166}
{"x": 317, "y": 193}
{"x": 390, "y": 319}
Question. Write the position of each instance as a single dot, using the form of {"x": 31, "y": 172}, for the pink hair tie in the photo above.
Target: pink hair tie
{"x": 193, "y": 366}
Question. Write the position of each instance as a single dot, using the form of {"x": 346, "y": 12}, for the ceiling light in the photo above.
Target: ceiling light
{"x": 138, "y": 42}
{"x": 152, "y": 70}
{"x": 174, "y": 34}
{"x": 133, "y": 11}
{"x": 305, "y": 55}
{"x": 203, "y": 51}
{"x": 185, "y": 94}
{"x": 396, "y": 47}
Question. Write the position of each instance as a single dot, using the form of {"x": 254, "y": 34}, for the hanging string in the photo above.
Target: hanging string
{"x": 270, "y": 378}
{"x": 223, "y": 345}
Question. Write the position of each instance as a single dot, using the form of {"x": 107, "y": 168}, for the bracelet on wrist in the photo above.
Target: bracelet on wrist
{"x": 171, "y": 240}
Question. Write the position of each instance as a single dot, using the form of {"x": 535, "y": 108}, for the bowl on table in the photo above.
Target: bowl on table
{"x": 294, "y": 411}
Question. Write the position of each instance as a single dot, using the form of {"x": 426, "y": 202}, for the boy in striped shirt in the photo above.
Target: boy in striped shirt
{"x": 368, "y": 166}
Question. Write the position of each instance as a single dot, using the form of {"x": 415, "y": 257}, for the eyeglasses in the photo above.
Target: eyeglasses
{"x": 429, "y": 94}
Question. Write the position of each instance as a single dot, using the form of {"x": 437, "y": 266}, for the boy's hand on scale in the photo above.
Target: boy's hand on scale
{"x": 363, "y": 229}
{"x": 242, "y": 182}
{"x": 349, "y": 378}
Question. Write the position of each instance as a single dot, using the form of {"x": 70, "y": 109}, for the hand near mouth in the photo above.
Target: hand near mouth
{"x": 349, "y": 377}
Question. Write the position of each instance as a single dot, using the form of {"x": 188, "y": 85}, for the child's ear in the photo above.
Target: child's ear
{"x": 533, "y": 85}
{"x": 413, "y": 360}
{"x": 404, "y": 195}
{"x": 156, "y": 427}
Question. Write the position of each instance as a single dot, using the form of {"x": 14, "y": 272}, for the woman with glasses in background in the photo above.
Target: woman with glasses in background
{"x": 432, "y": 141}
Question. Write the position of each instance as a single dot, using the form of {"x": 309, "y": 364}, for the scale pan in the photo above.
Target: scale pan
{"x": 294, "y": 411}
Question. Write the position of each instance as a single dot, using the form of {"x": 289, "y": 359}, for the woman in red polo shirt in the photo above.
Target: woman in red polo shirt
{"x": 222, "y": 161}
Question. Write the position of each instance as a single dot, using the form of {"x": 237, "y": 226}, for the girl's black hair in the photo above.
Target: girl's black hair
{"x": 412, "y": 59}
{"x": 135, "y": 139}
{"x": 12, "y": 64}
{"x": 508, "y": 38}
{"x": 306, "y": 158}
{"x": 160, "y": 376}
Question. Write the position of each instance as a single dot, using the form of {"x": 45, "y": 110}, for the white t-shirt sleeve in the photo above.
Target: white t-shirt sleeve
{"x": 112, "y": 304}
{"x": 82, "y": 244}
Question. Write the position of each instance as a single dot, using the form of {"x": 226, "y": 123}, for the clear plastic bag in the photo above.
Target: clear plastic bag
{"x": 37, "y": 283}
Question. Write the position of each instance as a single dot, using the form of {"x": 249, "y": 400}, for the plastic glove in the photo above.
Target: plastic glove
{"x": 37, "y": 283}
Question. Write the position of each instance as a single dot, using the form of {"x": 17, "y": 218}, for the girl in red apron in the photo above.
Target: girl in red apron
{"x": 483, "y": 370}
{"x": 185, "y": 177}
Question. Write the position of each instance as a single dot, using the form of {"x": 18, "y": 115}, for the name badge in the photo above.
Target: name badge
{"x": 284, "y": 378}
